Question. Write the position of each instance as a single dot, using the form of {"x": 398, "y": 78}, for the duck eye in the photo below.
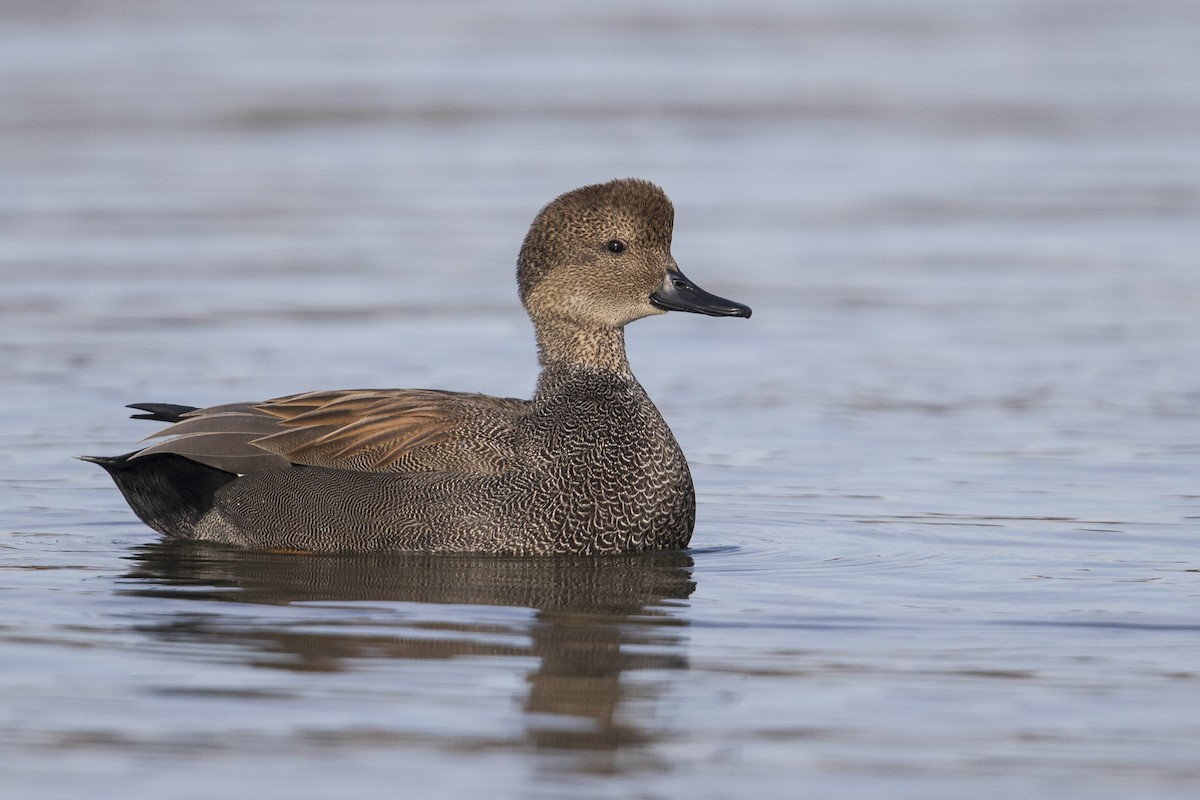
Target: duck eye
{"x": 615, "y": 246}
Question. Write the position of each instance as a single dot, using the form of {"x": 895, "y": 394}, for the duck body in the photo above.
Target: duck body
{"x": 587, "y": 466}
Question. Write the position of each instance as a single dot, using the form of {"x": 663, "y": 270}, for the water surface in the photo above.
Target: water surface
{"x": 948, "y": 474}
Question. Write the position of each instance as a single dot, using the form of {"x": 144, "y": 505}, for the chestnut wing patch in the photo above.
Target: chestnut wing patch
{"x": 370, "y": 428}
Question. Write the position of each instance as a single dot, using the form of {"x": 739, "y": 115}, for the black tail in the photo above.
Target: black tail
{"x": 168, "y": 492}
{"x": 160, "y": 412}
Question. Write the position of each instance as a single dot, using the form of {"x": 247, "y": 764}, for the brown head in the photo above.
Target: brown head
{"x": 600, "y": 257}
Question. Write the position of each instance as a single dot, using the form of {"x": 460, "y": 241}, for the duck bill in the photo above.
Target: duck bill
{"x": 677, "y": 293}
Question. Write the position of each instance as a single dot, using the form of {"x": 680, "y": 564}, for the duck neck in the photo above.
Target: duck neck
{"x": 566, "y": 344}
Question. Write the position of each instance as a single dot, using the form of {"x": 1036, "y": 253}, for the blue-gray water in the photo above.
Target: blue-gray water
{"x": 949, "y": 473}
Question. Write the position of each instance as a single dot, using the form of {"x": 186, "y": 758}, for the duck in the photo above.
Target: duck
{"x": 587, "y": 466}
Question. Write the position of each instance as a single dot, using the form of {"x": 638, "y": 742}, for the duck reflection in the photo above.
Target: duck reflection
{"x": 593, "y": 620}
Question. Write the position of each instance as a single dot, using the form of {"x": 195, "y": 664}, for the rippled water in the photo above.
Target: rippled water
{"x": 949, "y": 473}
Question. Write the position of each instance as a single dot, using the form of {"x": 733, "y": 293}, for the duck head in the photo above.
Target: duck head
{"x": 600, "y": 257}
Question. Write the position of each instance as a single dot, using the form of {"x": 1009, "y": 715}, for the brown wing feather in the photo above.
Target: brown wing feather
{"x": 375, "y": 430}
{"x": 227, "y": 451}
{"x": 370, "y": 429}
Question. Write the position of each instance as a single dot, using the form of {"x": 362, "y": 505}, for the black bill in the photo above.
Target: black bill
{"x": 677, "y": 293}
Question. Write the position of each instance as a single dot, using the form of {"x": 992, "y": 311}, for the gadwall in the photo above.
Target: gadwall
{"x": 587, "y": 466}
